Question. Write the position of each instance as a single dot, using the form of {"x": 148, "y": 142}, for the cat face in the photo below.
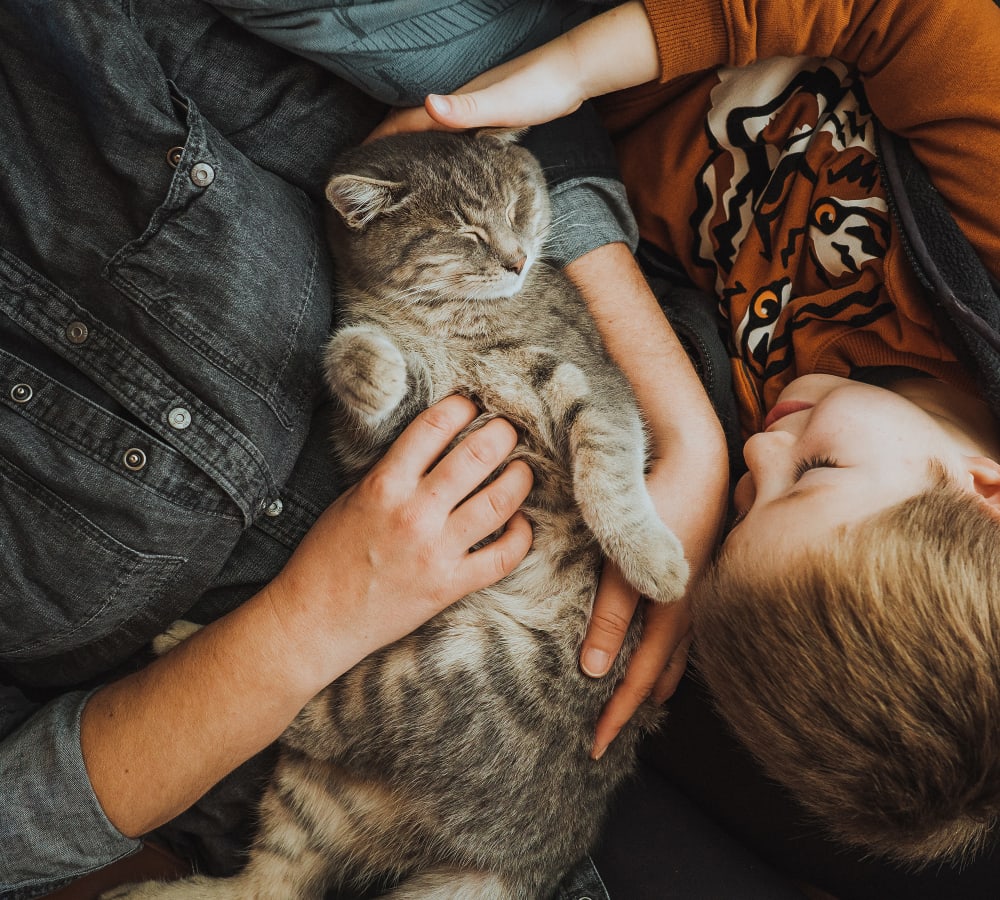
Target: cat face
{"x": 435, "y": 217}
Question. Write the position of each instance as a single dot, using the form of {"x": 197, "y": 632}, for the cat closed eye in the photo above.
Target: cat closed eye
{"x": 477, "y": 234}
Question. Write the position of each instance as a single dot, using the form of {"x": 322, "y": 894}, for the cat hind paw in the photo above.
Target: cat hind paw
{"x": 177, "y": 632}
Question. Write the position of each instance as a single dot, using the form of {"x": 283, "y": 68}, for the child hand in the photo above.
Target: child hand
{"x": 656, "y": 666}
{"x": 609, "y": 52}
{"x": 535, "y": 88}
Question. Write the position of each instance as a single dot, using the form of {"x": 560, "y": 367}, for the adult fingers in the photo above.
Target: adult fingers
{"x": 471, "y": 462}
{"x": 486, "y": 510}
{"x": 614, "y": 607}
{"x": 498, "y": 558}
{"x": 427, "y": 437}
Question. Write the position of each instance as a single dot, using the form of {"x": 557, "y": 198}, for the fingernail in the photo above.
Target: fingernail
{"x": 595, "y": 663}
{"x": 439, "y": 103}
{"x": 598, "y": 751}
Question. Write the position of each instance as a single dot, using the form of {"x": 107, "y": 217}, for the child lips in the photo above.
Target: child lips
{"x": 784, "y": 408}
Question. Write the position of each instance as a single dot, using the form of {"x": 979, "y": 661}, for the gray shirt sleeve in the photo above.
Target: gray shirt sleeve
{"x": 43, "y": 780}
{"x": 398, "y": 55}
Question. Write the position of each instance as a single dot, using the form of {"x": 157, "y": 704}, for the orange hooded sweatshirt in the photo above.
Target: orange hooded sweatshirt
{"x": 754, "y": 164}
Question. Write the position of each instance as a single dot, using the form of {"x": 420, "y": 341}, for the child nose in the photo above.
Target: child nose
{"x": 765, "y": 451}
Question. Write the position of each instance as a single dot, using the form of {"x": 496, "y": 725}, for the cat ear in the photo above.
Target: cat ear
{"x": 359, "y": 199}
{"x": 504, "y": 135}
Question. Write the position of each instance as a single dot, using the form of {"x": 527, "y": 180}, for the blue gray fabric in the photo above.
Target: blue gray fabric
{"x": 165, "y": 288}
{"x": 399, "y": 52}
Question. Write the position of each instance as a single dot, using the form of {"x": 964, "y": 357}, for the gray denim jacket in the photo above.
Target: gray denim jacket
{"x": 165, "y": 288}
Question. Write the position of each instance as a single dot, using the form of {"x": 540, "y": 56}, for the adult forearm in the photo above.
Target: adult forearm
{"x": 154, "y": 742}
{"x": 686, "y": 436}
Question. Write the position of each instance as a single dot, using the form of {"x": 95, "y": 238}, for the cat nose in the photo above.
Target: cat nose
{"x": 515, "y": 265}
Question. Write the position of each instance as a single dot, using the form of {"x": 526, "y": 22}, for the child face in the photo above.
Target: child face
{"x": 835, "y": 452}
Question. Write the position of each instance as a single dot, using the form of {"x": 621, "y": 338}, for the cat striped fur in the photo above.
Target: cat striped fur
{"x": 454, "y": 764}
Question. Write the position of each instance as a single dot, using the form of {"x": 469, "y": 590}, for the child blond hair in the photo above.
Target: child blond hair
{"x": 865, "y": 676}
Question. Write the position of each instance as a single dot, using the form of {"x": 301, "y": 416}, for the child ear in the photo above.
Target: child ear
{"x": 985, "y": 475}
{"x": 360, "y": 199}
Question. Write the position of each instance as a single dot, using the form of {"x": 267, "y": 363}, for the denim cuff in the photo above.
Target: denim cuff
{"x": 582, "y": 883}
{"x": 588, "y": 212}
{"x": 44, "y": 781}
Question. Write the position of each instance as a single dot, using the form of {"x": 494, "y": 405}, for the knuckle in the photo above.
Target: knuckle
{"x": 505, "y": 560}
{"x": 609, "y": 623}
{"x": 502, "y": 502}
{"x": 448, "y": 416}
{"x": 381, "y": 486}
{"x": 488, "y": 446}
{"x": 469, "y": 104}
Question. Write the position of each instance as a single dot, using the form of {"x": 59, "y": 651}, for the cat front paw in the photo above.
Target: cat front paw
{"x": 655, "y": 565}
{"x": 365, "y": 369}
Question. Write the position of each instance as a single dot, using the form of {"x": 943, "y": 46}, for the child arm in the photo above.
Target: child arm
{"x": 611, "y": 51}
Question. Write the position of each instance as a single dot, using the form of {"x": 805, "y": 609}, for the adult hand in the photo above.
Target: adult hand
{"x": 394, "y": 550}
{"x": 659, "y": 661}
{"x": 385, "y": 557}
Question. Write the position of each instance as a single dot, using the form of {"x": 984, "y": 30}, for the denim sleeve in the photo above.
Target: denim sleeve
{"x": 398, "y": 52}
{"x": 589, "y": 205}
{"x": 43, "y": 780}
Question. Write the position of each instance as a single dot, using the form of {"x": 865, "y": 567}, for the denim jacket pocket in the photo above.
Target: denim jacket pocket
{"x": 63, "y": 579}
{"x": 231, "y": 263}
{"x": 107, "y": 534}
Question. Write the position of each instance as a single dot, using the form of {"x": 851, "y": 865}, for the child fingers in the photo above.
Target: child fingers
{"x": 665, "y": 635}
{"x": 463, "y": 110}
{"x": 402, "y": 120}
{"x": 614, "y": 607}
{"x": 635, "y": 688}
{"x": 672, "y": 674}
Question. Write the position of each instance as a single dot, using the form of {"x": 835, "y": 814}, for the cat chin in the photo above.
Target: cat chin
{"x": 502, "y": 288}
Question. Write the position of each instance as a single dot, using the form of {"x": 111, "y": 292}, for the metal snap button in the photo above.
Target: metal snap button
{"x": 179, "y": 418}
{"x": 174, "y": 155}
{"x": 77, "y": 332}
{"x": 202, "y": 174}
{"x": 21, "y": 393}
{"x": 274, "y": 508}
{"x": 134, "y": 459}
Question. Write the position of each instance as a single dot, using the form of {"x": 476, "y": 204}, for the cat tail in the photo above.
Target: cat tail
{"x": 457, "y": 884}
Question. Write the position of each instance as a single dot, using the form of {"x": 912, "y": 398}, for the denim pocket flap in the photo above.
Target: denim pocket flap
{"x": 63, "y": 580}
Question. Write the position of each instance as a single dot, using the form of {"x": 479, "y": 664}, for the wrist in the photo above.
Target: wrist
{"x": 310, "y": 646}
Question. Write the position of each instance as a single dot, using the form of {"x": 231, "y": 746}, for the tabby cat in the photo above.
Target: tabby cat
{"x": 455, "y": 763}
